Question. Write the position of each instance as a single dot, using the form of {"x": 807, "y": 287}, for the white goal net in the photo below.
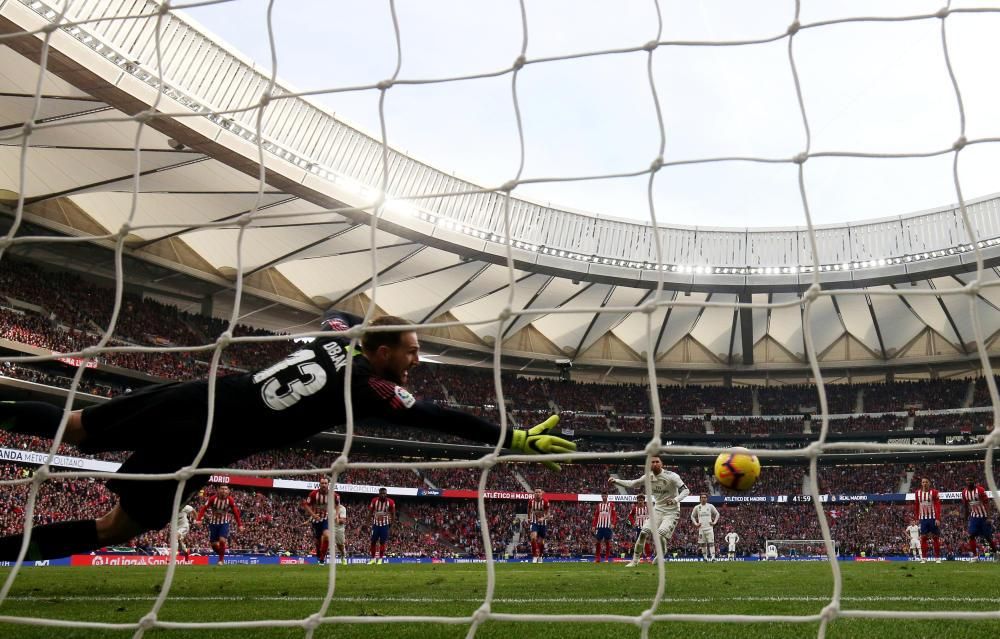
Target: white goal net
{"x": 148, "y": 59}
{"x": 797, "y": 548}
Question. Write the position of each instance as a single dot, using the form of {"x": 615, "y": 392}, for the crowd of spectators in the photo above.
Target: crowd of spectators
{"x": 476, "y": 387}
{"x": 931, "y": 394}
{"x": 30, "y": 374}
{"x": 862, "y": 479}
{"x": 773, "y": 480}
{"x": 574, "y": 478}
{"x": 75, "y": 311}
{"x": 981, "y": 393}
{"x": 78, "y": 311}
{"x": 966, "y": 422}
{"x": 274, "y": 522}
{"x": 798, "y": 398}
{"x": 34, "y": 330}
{"x": 751, "y": 426}
{"x": 42, "y": 445}
{"x": 863, "y": 424}
{"x": 501, "y": 477}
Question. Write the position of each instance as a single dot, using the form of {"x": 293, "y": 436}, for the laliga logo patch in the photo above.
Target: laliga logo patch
{"x": 404, "y": 396}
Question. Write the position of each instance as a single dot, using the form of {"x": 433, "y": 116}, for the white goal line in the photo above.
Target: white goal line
{"x": 512, "y": 600}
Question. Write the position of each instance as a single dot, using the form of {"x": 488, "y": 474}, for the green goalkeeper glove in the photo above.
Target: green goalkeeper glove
{"x": 536, "y": 441}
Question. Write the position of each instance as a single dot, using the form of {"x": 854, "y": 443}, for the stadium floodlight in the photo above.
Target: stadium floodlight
{"x": 402, "y": 207}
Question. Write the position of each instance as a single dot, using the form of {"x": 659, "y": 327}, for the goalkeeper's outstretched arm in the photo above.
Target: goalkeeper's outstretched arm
{"x": 532, "y": 441}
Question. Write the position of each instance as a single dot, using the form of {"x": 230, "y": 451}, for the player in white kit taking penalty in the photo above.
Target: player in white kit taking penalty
{"x": 705, "y": 516}
{"x": 668, "y": 492}
{"x": 732, "y": 538}
{"x": 913, "y": 530}
{"x": 183, "y": 528}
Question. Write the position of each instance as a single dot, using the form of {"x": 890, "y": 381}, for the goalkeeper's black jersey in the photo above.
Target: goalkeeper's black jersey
{"x": 287, "y": 402}
{"x": 304, "y": 394}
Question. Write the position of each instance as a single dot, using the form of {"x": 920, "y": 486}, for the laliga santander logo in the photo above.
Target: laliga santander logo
{"x": 404, "y": 397}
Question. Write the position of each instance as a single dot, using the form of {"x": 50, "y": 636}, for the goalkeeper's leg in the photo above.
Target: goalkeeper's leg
{"x": 40, "y": 419}
{"x": 65, "y": 538}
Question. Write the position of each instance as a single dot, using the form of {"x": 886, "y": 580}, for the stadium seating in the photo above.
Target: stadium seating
{"x": 74, "y": 311}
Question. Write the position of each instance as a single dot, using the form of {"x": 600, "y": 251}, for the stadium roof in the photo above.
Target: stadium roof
{"x": 440, "y": 254}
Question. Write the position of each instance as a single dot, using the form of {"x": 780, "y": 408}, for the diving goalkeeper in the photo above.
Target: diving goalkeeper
{"x": 164, "y": 425}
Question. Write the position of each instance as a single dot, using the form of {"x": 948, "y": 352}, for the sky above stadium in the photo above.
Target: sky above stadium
{"x": 877, "y": 87}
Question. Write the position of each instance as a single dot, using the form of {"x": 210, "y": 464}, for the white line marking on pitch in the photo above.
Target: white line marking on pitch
{"x": 804, "y": 598}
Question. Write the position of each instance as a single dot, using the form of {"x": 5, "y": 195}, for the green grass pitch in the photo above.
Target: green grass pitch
{"x": 208, "y": 593}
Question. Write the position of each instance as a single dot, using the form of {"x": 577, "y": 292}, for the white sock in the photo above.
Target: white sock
{"x": 637, "y": 550}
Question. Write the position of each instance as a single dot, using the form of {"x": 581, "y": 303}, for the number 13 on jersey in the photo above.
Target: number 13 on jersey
{"x": 288, "y": 381}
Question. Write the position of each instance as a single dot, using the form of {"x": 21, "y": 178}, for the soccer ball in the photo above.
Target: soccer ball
{"x": 737, "y": 469}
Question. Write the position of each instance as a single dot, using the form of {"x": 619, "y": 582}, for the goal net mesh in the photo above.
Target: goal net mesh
{"x": 797, "y": 547}
{"x": 140, "y": 38}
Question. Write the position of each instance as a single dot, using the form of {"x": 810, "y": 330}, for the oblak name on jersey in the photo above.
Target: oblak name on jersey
{"x": 337, "y": 355}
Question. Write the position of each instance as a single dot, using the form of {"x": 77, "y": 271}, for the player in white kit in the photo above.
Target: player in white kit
{"x": 705, "y": 516}
{"x": 340, "y": 529}
{"x": 732, "y": 538}
{"x": 913, "y": 530}
{"x": 183, "y": 528}
{"x": 668, "y": 492}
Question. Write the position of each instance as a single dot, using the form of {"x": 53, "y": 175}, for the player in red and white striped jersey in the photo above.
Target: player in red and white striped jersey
{"x": 976, "y": 507}
{"x": 927, "y": 506}
{"x": 605, "y": 519}
{"x": 638, "y": 516}
{"x": 383, "y": 511}
{"x": 316, "y": 506}
{"x": 221, "y": 509}
{"x": 538, "y": 517}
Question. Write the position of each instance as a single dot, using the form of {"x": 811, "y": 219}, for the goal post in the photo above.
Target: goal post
{"x": 798, "y": 548}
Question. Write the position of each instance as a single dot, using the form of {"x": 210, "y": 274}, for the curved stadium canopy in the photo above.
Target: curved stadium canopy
{"x": 440, "y": 248}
